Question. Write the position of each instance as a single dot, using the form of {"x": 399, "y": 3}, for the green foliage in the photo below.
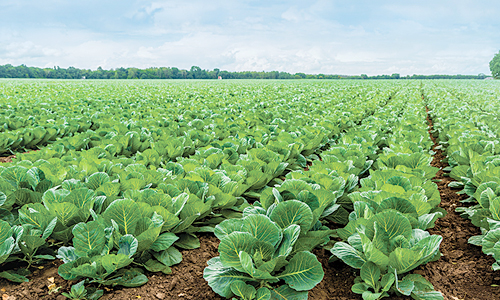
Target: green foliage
{"x": 495, "y": 66}
{"x": 254, "y": 250}
{"x": 125, "y": 179}
{"x": 78, "y": 292}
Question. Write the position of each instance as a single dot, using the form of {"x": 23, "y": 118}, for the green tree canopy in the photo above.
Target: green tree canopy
{"x": 495, "y": 65}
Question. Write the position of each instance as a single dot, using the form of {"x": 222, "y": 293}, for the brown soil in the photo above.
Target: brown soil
{"x": 7, "y": 159}
{"x": 463, "y": 272}
{"x": 38, "y": 286}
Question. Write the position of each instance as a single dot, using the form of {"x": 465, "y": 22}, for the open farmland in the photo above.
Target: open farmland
{"x": 250, "y": 189}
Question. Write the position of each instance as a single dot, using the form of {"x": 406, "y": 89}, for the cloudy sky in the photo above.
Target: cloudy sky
{"x": 332, "y": 37}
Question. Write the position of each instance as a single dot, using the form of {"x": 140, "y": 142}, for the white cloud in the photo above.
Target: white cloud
{"x": 320, "y": 37}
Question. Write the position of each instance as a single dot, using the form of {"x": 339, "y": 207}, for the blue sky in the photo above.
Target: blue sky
{"x": 332, "y": 37}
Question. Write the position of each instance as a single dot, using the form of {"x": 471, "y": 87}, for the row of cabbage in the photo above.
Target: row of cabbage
{"x": 386, "y": 235}
{"x": 103, "y": 111}
{"x": 468, "y": 127}
{"x": 105, "y": 211}
{"x": 386, "y": 214}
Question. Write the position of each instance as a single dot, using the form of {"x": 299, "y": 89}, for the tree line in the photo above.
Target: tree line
{"x": 22, "y": 71}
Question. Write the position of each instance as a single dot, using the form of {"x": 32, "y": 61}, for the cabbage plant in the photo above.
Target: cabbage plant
{"x": 384, "y": 246}
{"x": 257, "y": 260}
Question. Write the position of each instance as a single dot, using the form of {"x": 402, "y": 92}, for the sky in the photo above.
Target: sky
{"x": 332, "y": 37}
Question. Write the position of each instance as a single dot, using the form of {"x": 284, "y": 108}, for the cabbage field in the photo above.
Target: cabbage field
{"x": 249, "y": 189}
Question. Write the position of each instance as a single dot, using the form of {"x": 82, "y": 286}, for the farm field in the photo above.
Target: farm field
{"x": 249, "y": 189}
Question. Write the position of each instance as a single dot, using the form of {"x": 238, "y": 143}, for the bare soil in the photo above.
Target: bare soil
{"x": 7, "y": 159}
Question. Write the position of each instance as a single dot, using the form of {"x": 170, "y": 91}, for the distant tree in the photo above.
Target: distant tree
{"x": 495, "y": 66}
{"x": 23, "y": 71}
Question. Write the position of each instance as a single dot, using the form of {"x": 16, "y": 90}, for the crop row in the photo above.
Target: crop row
{"x": 468, "y": 128}
{"x": 130, "y": 111}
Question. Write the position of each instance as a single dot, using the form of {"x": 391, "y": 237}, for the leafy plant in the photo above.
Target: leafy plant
{"x": 79, "y": 292}
{"x": 384, "y": 245}
{"x": 91, "y": 258}
{"x": 254, "y": 250}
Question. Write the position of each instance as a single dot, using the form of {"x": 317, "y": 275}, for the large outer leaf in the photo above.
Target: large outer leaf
{"x": 263, "y": 229}
{"x": 292, "y": 212}
{"x": 123, "y": 212}
{"x": 10, "y": 275}
{"x": 68, "y": 270}
{"x": 263, "y": 294}
{"x": 228, "y": 226}
{"x": 30, "y": 243}
{"x": 89, "y": 238}
{"x": 370, "y": 273}
{"x": 495, "y": 208}
{"x": 128, "y": 278}
{"x": 303, "y": 272}
{"x": 490, "y": 240}
{"x": 285, "y": 293}
{"x": 82, "y": 198}
{"x": 35, "y": 214}
{"x": 430, "y": 245}
{"x": 243, "y": 290}
{"x": 5, "y": 231}
{"x": 187, "y": 241}
{"x": 392, "y": 222}
{"x": 404, "y": 260}
{"x": 169, "y": 257}
{"x": 95, "y": 180}
{"x": 423, "y": 289}
{"x": 109, "y": 189}
{"x": 54, "y": 196}
{"x": 6, "y": 248}
{"x": 402, "y": 205}
{"x": 164, "y": 241}
{"x": 3, "y": 199}
{"x": 169, "y": 219}
{"x": 348, "y": 255}
{"x": 112, "y": 262}
{"x": 66, "y": 213}
{"x": 371, "y": 253}
{"x": 15, "y": 175}
{"x": 219, "y": 278}
{"x": 230, "y": 247}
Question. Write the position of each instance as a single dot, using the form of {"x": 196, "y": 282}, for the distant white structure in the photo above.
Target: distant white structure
{"x": 489, "y": 78}
{"x": 83, "y": 77}
{"x": 220, "y": 78}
